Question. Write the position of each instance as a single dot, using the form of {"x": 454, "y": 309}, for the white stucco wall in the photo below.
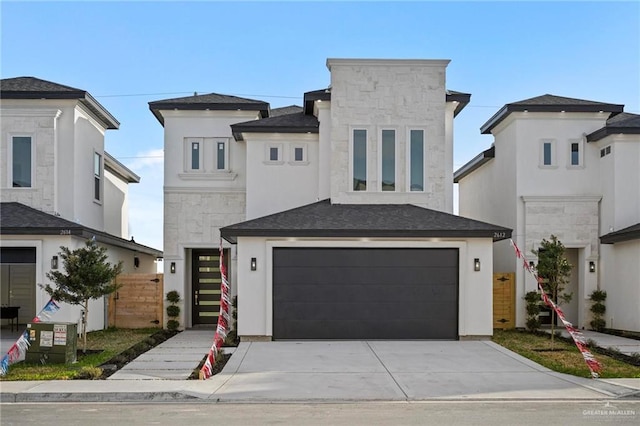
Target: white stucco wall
{"x": 281, "y": 185}
{"x": 390, "y": 94}
{"x": 65, "y": 137}
{"x": 620, "y": 278}
{"x": 255, "y": 288}
{"x": 116, "y": 205}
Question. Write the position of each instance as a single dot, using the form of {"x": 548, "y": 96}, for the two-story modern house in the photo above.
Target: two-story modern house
{"x": 571, "y": 168}
{"x": 336, "y": 216}
{"x": 58, "y": 187}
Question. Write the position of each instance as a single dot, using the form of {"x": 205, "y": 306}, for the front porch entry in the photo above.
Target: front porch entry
{"x": 205, "y": 285}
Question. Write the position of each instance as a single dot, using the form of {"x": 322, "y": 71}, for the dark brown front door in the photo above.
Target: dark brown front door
{"x": 206, "y": 281}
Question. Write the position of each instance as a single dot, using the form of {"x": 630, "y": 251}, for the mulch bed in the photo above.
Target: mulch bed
{"x": 217, "y": 367}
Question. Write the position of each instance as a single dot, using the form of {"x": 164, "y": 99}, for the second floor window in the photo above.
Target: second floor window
{"x": 416, "y": 160}
{"x": 388, "y": 159}
{"x": 221, "y": 150}
{"x": 97, "y": 176}
{"x": 22, "y": 162}
{"x": 547, "y": 153}
{"x": 195, "y": 155}
{"x": 359, "y": 160}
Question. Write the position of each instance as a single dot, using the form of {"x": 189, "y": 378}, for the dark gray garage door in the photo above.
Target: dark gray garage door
{"x": 353, "y": 293}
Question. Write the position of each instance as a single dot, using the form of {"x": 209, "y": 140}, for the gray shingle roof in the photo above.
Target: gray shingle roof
{"x": 35, "y": 88}
{"x": 209, "y": 101}
{"x": 627, "y": 234}
{"x": 297, "y": 122}
{"x": 32, "y": 84}
{"x": 291, "y": 109}
{"x": 323, "y": 219}
{"x": 549, "y": 103}
{"x": 623, "y": 123}
{"x": 19, "y": 219}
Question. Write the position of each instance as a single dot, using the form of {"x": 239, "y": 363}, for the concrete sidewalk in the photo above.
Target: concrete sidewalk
{"x": 339, "y": 371}
{"x": 605, "y": 341}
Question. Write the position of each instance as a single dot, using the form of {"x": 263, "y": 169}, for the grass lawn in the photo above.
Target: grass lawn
{"x": 568, "y": 360}
{"x": 102, "y": 346}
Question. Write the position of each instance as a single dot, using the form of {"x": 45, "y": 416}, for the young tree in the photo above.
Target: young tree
{"x": 87, "y": 276}
{"x": 555, "y": 270}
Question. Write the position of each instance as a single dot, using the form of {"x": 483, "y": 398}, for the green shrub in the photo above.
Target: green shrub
{"x": 598, "y": 309}
{"x": 173, "y": 296}
{"x": 173, "y": 311}
{"x": 533, "y": 310}
{"x": 90, "y": 373}
{"x": 173, "y": 324}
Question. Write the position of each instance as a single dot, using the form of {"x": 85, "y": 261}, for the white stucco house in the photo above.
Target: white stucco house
{"x": 336, "y": 217}
{"x": 571, "y": 168}
{"x": 58, "y": 187}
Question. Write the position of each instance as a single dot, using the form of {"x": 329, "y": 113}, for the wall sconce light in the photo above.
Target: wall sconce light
{"x": 254, "y": 264}
{"x": 136, "y": 261}
{"x": 172, "y": 268}
{"x": 531, "y": 264}
{"x": 476, "y": 264}
{"x": 54, "y": 262}
{"x": 592, "y": 266}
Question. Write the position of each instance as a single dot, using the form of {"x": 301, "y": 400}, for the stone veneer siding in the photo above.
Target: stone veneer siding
{"x": 40, "y": 125}
{"x": 394, "y": 94}
{"x": 574, "y": 220}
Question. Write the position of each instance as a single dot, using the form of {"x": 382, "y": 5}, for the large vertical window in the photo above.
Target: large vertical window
{"x": 274, "y": 154}
{"x": 416, "y": 160}
{"x": 195, "y": 155}
{"x": 97, "y": 176}
{"x": 575, "y": 153}
{"x": 359, "y": 160}
{"x": 222, "y": 154}
{"x": 388, "y": 160}
{"x": 21, "y": 168}
{"x": 546, "y": 154}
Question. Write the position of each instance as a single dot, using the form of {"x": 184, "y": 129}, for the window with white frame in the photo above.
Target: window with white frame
{"x": 547, "y": 153}
{"x": 221, "y": 156}
{"x": 298, "y": 155}
{"x": 22, "y": 162}
{"x": 416, "y": 160}
{"x": 359, "y": 159}
{"x": 273, "y": 154}
{"x": 605, "y": 151}
{"x": 97, "y": 176}
{"x": 575, "y": 153}
{"x": 388, "y": 160}
{"x": 193, "y": 148}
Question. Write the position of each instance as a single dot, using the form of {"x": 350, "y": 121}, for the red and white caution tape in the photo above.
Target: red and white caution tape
{"x": 578, "y": 337}
{"x": 223, "y": 322}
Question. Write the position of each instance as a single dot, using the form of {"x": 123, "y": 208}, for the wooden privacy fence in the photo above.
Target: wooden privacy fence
{"x": 138, "y": 301}
{"x": 504, "y": 300}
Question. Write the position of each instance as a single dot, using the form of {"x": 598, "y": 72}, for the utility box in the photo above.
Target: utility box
{"x": 52, "y": 342}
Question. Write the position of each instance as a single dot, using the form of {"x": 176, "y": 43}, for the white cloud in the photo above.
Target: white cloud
{"x": 146, "y": 159}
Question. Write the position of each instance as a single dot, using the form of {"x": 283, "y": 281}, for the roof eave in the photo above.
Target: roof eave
{"x": 231, "y": 235}
{"x": 477, "y": 162}
{"x": 504, "y": 112}
{"x": 463, "y": 100}
{"x": 608, "y": 131}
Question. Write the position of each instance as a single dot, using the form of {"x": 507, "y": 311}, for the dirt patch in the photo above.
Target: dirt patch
{"x": 217, "y": 367}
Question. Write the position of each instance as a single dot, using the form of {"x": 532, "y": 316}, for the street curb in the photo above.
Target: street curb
{"x": 97, "y": 397}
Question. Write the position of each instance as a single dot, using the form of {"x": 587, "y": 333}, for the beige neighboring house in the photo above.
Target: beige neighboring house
{"x": 336, "y": 217}
{"x": 571, "y": 168}
{"x": 58, "y": 187}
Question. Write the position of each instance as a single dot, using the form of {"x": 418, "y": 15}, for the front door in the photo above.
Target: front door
{"x": 206, "y": 281}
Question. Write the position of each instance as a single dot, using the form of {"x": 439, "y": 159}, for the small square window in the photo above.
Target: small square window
{"x": 273, "y": 153}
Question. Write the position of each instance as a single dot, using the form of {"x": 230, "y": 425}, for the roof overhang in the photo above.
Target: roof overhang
{"x": 462, "y": 99}
{"x": 474, "y": 164}
{"x": 626, "y": 234}
{"x": 104, "y": 117}
{"x": 504, "y": 112}
{"x": 119, "y": 169}
{"x": 608, "y": 131}
{"x": 157, "y": 107}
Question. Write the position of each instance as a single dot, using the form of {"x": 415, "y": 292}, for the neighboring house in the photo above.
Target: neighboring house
{"x": 339, "y": 213}
{"x": 571, "y": 168}
{"x": 58, "y": 187}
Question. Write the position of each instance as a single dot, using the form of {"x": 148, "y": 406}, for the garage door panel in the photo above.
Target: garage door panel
{"x": 365, "y": 276}
{"x": 348, "y": 293}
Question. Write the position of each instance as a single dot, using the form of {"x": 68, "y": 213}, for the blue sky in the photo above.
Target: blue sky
{"x": 127, "y": 54}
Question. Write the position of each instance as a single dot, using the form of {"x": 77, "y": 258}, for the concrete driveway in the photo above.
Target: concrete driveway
{"x": 393, "y": 370}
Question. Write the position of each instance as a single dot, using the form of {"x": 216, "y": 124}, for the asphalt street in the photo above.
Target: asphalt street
{"x": 492, "y": 413}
